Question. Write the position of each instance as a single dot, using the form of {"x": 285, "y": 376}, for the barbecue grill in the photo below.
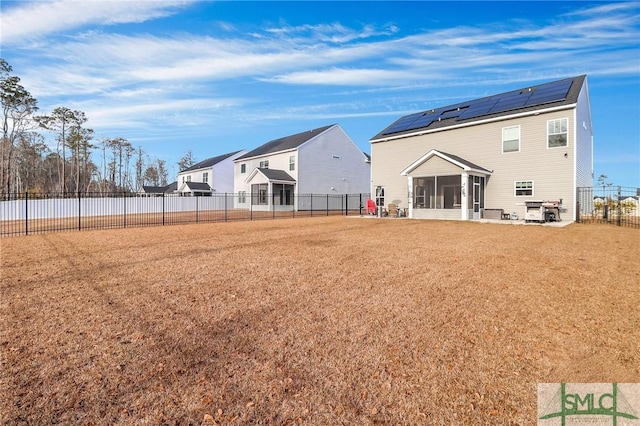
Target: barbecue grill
{"x": 542, "y": 211}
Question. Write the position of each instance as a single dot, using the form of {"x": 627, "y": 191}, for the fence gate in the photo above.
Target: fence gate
{"x": 613, "y": 205}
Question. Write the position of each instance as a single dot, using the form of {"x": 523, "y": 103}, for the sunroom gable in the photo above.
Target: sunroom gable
{"x": 438, "y": 162}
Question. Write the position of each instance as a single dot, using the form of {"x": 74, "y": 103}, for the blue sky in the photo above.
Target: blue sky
{"x": 215, "y": 77}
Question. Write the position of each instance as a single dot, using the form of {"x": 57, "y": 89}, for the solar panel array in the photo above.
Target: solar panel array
{"x": 509, "y": 101}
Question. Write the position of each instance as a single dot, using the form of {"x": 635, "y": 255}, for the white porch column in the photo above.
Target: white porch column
{"x": 410, "y": 192}
{"x": 464, "y": 195}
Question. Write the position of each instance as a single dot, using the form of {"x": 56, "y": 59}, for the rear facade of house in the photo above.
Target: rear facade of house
{"x": 496, "y": 152}
{"x": 279, "y": 174}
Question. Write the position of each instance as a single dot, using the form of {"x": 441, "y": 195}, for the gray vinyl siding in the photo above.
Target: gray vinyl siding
{"x": 332, "y": 160}
{"x": 481, "y": 144}
{"x": 584, "y": 140}
{"x": 221, "y": 176}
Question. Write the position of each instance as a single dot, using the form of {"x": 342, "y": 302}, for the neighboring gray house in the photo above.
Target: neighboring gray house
{"x": 213, "y": 175}
{"x": 318, "y": 161}
{"x": 452, "y": 162}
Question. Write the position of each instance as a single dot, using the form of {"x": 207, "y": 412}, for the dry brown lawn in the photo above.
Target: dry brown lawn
{"x": 315, "y": 321}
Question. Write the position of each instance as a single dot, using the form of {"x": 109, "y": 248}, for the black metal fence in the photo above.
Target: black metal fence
{"x": 613, "y": 205}
{"x": 33, "y": 213}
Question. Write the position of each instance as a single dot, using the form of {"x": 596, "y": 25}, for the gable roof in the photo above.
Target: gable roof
{"x": 198, "y": 186}
{"x": 533, "y": 98}
{"x": 453, "y": 159}
{"x": 149, "y": 189}
{"x": 285, "y": 143}
{"x": 172, "y": 187}
{"x": 271, "y": 174}
{"x": 209, "y": 162}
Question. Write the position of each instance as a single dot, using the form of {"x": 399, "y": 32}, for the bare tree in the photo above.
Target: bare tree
{"x": 187, "y": 160}
{"x": 18, "y": 106}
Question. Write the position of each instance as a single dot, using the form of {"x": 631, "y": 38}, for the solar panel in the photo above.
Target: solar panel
{"x": 452, "y": 113}
{"x": 478, "y": 108}
{"x": 403, "y": 123}
{"x": 551, "y": 92}
{"x": 516, "y": 99}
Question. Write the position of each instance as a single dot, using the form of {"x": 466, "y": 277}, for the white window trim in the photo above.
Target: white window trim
{"x": 519, "y": 138}
{"x": 515, "y": 188}
{"x": 292, "y": 163}
{"x": 549, "y": 134}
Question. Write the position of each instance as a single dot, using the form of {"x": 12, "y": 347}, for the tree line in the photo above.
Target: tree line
{"x": 67, "y": 164}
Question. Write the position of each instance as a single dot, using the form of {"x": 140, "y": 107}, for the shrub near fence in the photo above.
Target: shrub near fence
{"x": 29, "y": 213}
{"x": 613, "y": 205}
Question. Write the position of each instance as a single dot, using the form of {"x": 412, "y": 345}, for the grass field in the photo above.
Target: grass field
{"x": 315, "y": 321}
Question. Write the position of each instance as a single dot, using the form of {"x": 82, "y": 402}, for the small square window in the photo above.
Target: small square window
{"x": 524, "y": 188}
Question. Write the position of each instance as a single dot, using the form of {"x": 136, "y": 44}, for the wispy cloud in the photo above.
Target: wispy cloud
{"x": 25, "y": 21}
{"x": 138, "y": 81}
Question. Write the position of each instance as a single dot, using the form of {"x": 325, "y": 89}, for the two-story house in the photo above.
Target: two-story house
{"x": 319, "y": 161}
{"x": 496, "y": 152}
{"x": 213, "y": 175}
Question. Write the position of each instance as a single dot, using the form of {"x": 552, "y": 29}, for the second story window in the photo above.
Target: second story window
{"x": 511, "y": 139}
{"x": 264, "y": 164}
{"x": 243, "y": 168}
{"x": 292, "y": 162}
{"x": 205, "y": 177}
{"x": 557, "y": 132}
{"x": 188, "y": 178}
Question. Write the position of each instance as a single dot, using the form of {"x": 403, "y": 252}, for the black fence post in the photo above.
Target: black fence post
{"x": 196, "y": 208}
{"x": 327, "y": 204}
{"x": 360, "y": 208}
{"x": 311, "y": 204}
{"x": 26, "y": 213}
{"x": 163, "y": 209}
{"x": 346, "y": 204}
{"x": 124, "y": 199}
{"x": 619, "y": 207}
{"x": 79, "y": 212}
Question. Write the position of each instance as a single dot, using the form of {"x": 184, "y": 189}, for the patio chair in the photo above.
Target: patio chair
{"x": 393, "y": 210}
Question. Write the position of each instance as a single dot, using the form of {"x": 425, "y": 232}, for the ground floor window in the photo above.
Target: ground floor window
{"x": 242, "y": 197}
{"x": 259, "y": 193}
{"x": 524, "y": 188}
{"x": 282, "y": 194}
{"x": 380, "y": 196}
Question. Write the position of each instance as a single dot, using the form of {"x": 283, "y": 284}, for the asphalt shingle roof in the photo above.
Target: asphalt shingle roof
{"x": 451, "y": 115}
{"x": 198, "y": 186}
{"x": 275, "y": 174}
{"x": 209, "y": 162}
{"x": 285, "y": 143}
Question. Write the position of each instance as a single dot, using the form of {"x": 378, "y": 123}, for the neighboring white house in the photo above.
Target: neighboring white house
{"x": 453, "y": 162}
{"x": 318, "y": 161}
{"x": 213, "y": 175}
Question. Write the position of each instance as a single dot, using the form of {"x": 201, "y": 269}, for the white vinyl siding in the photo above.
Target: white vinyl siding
{"x": 511, "y": 139}
{"x": 557, "y": 132}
